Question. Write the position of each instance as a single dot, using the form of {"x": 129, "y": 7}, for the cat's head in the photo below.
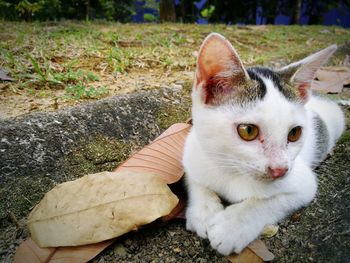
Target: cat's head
{"x": 251, "y": 120}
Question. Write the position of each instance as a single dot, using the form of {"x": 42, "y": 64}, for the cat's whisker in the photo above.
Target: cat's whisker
{"x": 238, "y": 163}
{"x": 236, "y": 173}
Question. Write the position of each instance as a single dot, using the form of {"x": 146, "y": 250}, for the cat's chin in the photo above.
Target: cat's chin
{"x": 266, "y": 178}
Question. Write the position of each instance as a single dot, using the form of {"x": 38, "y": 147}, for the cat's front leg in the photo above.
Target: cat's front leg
{"x": 202, "y": 205}
{"x": 232, "y": 229}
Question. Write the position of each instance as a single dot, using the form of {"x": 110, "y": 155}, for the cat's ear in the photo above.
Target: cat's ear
{"x": 301, "y": 73}
{"x": 219, "y": 70}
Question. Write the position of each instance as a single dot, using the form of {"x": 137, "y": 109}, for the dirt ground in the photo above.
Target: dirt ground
{"x": 15, "y": 104}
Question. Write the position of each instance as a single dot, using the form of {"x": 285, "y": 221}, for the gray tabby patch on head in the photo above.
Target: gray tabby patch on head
{"x": 286, "y": 88}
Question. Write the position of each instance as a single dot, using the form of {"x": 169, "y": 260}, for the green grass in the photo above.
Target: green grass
{"x": 80, "y": 91}
{"x": 73, "y": 55}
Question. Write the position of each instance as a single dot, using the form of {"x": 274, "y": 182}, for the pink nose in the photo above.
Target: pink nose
{"x": 277, "y": 172}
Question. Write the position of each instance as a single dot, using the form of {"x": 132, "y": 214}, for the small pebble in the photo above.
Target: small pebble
{"x": 120, "y": 250}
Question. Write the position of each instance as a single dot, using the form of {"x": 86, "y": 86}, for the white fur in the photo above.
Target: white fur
{"x": 219, "y": 163}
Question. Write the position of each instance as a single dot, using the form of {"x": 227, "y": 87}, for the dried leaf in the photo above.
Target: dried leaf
{"x": 269, "y": 231}
{"x": 295, "y": 217}
{"x": 180, "y": 191}
{"x": 245, "y": 256}
{"x": 255, "y": 252}
{"x": 163, "y": 156}
{"x": 30, "y": 252}
{"x": 260, "y": 249}
{"x": 129, "y": 43}
{"x": 98, "y": 207}
{"x": 4, "y": 76}
{"x": 334, "y": 74}
{"x": 175, "y": 128}
{"x": 331, "y": 79}
{"x": 327, "y": 87}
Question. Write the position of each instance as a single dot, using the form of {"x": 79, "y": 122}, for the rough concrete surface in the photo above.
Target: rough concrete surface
{"x": 41, "y": 150}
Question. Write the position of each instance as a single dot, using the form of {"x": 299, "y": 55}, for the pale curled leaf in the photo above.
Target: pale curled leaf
{"x": 269, "y": 231}
{"x": 98, "y": 207}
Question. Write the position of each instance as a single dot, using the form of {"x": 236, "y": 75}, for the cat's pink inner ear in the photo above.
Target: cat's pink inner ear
{"x": 303, "y": 89}
{"x": 303, "y": 78}
{"x": 218, "y": 67}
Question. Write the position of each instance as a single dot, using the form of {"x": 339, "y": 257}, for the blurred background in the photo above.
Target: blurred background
{"x": 280, "y": 12}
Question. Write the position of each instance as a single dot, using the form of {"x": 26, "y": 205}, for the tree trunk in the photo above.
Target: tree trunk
{"x": 296, "y": 12}
{"x": 167, "y": 11}
{"x": 87, "y": 10}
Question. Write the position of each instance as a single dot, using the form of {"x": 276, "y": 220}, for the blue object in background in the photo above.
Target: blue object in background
{"x": 282, "y": 20}
{"x": 338, "y": 16}
{"x": 141, "y": 9}
{"x": 200, "y": 4}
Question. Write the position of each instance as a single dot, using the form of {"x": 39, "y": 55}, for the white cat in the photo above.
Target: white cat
{"x": 257, "y": 134}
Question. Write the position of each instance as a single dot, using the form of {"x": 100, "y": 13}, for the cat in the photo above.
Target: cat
{"x": 257, "y": 133}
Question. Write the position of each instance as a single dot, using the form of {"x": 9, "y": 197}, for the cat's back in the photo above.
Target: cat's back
{"x": 330, "y": 113}
{"x": 327, "y": 126}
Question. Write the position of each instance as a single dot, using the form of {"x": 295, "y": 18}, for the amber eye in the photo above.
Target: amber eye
{"x": 248, "y": 132}
{"x": 294, "y": 134}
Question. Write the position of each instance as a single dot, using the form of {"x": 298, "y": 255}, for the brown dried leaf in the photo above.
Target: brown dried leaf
{"x": 245, "y": 256}
{"x": 327, "y": 87}
{"x": 30, "y": 252}
{"x": 163, "y": 156}
{"x": 334, "y": 74}
{"x": 255, "y": 252}
{"x": 98, "y": 207}
{"x": 129, "y": 43}
{"x": 260, "y": 249}
{"x": 331, "y": 79}
{"x": 295, "y": 217}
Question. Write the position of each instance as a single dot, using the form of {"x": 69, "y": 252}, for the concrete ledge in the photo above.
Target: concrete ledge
{"x": 36, "y": 144}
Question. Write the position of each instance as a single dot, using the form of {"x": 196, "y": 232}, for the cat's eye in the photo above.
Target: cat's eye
{"x": 294, "y": 134}
{"x": 248, "y": 132}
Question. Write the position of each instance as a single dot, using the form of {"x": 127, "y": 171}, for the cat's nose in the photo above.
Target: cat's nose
{"x": 277, "y": 172}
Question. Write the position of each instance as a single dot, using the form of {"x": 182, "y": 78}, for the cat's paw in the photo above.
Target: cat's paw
{"x": 228, "y": 234}
{"x": 197, "y": 218}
